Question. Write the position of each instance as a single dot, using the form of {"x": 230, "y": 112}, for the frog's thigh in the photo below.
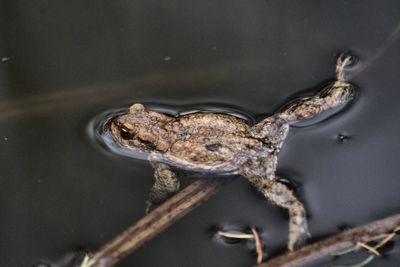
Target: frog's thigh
{"x": 282, "y": 196}
{"x": 166, "y": 183}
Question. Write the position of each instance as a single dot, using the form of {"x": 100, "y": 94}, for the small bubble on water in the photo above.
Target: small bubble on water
{"x": 5, "y": 59}
{"x": 167, "y": 59}
{"x": 342, "y": 138}
{"x": 5, "y": 138}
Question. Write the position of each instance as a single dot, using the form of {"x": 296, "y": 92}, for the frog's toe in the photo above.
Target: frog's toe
{"x": 298, "y": 235}
{"x": 150, "y": 206}
{"x": 301, "y": 240}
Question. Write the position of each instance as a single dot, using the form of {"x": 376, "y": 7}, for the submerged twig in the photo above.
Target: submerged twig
{"x": 156, "y": 221}
{"x": 64, "y": 99}
{"x": 383, "y": 228}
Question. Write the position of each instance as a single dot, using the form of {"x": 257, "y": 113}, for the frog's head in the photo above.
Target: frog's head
{"x": 140, "y": 130}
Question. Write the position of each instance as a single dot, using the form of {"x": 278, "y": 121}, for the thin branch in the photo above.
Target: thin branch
{"x": 236, "y": 235}
{"x": 369, "y": 232}
{"x": 391, "y": 39}
{"x": 64, "y": 99}
{"x": 259, "y": 248}
{"x": 156, "y": 221}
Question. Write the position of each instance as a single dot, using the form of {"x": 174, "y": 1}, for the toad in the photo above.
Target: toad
{"x": 221, "y": 144}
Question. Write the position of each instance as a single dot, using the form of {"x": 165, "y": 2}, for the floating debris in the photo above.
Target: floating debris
{"x": 373, "y": 250}
{"x": 254, "y": 235}
{"x": 167, "y": 59}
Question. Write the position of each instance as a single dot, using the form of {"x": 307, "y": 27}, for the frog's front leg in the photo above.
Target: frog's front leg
{"x": 281, "y": 195}
{"x": 273, "y": 130}
{"x": 166, "y": 184}
{"x": 334, "y": 96}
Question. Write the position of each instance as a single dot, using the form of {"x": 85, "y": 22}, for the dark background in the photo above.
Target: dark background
{"x": 63, "y": 62}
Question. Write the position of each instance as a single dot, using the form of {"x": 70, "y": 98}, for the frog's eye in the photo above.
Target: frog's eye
{"x": 125, "y": 134}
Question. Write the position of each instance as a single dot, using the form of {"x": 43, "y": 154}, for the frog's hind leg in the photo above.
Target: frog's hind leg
{"x": 166, "y": 184}
{"x": 333, "y": 97}
{"x": 282, "y": 196}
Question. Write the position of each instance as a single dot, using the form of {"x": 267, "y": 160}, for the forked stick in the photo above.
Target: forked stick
{"x": 366, "y": 233}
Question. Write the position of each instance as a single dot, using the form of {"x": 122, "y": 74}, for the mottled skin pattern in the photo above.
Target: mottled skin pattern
{"x": 226, "y": 145}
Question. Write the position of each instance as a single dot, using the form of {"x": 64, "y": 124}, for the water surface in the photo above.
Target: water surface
{"x": 68, "y": 61}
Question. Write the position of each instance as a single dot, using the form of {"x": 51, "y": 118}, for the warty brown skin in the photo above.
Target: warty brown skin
{"x": 225, "y": 145}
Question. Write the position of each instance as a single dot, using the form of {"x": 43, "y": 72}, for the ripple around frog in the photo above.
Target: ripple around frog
{"x": 98, "y": 128}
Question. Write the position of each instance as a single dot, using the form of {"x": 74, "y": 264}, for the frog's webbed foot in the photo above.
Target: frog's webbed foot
{"x": 281, "y": 195}
{"x": 166, "y": 184}
{"x": 344, "y": 61}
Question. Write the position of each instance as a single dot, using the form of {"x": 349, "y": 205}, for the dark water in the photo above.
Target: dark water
{"x": 64, "y": 62}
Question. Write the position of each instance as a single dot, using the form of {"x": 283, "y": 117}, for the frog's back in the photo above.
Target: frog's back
{"x": 215, "y": 121}
{"x": 211, "y": 142}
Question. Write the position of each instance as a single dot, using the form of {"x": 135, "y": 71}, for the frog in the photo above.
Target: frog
{"x": 222, "y": 144}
